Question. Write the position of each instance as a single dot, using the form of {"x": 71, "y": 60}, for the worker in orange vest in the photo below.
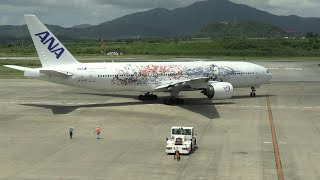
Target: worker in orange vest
{"x": 97, "y": 132}
{"x": 177, "y": 155}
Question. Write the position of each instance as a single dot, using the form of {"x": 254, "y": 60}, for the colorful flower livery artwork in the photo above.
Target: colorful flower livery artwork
{"x": 130, "y": 75}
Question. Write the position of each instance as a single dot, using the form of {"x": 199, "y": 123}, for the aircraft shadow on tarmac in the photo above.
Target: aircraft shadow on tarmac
{"x": 202, "y": 106}
{"x": 201, "y": 99}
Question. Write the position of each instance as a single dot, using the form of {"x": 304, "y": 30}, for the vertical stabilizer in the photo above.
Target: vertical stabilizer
{"x": 50, "y": 50}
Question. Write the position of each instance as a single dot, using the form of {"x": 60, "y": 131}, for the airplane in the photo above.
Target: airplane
{"x": 215, "y": 79}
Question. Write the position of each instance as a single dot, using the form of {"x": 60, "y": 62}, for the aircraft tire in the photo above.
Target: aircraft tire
{"x": 178, "y": 101}
{"x": 167, "y": 101}
{"x": 154, "y": 97}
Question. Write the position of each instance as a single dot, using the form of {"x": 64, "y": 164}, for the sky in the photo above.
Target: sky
{"x": 67, "y": 13}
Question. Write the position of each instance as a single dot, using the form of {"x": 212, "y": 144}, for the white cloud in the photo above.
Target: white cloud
{"x": 293, "y": 3}
{"x": 147, "y": 4}
{"x": 305, "y": 8}
{"x": 4, "y": 20}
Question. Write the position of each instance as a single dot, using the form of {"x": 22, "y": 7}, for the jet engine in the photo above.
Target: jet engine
{"x": 32, "y": 73}
{"x": 218, "y": 90}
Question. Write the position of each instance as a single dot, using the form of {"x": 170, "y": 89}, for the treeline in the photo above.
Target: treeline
{"x": 176, "y": 47}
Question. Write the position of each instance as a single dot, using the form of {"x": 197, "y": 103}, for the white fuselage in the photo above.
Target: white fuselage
{"x": 146, "y": 76}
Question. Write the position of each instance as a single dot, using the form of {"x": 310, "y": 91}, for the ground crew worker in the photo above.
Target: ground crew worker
{"x": 177, "y": 155}
{"x": 71, "y": 132}
{"x": 97, "y": 132}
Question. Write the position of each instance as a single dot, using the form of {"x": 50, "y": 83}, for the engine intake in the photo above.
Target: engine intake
{"x": 219, "y": 90}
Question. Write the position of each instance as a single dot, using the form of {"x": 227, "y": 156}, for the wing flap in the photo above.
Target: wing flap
{"x": 167, "y": 84}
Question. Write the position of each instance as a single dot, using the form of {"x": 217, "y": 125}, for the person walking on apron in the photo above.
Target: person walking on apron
{"x": 71, "y": 132}
{"x": 97, "y": 132}
{"x": 177, "y": 155}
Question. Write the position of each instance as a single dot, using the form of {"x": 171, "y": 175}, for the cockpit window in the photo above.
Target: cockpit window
{"x": 268, "y": 71}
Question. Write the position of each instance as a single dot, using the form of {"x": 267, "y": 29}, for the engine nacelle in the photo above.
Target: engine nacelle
{"x": 219, "y": 90}
{"x": 32, "y": 73}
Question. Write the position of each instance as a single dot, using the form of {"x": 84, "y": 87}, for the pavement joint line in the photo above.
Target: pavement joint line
{"x": 275, "y": 142}
{"x": 198, "y": 142}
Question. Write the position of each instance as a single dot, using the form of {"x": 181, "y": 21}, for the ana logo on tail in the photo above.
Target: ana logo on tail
{"x": 53, "y": 48}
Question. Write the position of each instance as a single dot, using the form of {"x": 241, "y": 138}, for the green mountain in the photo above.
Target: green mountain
{"x": 193, "y": 18}
{"x": 243, "y": 29}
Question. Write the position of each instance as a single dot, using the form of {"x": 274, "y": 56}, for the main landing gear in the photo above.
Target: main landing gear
{"x": 253, "y": 92}
{"x": 148, "y": 97}
{"x": 174, "y": 92}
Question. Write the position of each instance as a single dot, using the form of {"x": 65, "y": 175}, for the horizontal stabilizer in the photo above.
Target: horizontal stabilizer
{"x": 55, "y": 73}
{"x": 20, "y": 68}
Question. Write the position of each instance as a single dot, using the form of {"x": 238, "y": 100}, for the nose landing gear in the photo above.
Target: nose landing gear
{"x": 253, "y": 92}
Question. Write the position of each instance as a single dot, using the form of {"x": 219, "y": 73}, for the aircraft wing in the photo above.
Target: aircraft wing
{"x": 55, "y": 73}
{"x": 166, "y": 84}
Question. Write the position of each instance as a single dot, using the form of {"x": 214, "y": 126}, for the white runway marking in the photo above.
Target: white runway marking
{"x": 267, "y": 142}
{"x": 307, "y": 107}
{"x": 297, "y": 69}
{"x": 288, "y": 68}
